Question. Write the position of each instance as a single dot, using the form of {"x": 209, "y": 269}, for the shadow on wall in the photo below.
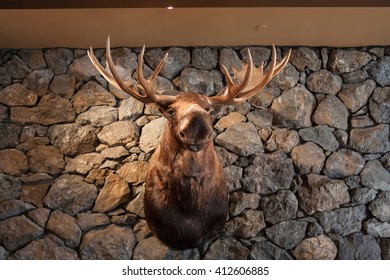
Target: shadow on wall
{"x": 307, "y": 160}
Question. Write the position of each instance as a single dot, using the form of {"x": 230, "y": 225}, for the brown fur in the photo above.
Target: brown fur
{"x": 186, "y": 197}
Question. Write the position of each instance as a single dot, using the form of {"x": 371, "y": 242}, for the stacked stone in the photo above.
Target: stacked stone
{"x": 307, "y": 160}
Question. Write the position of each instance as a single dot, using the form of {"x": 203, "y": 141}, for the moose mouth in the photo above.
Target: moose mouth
{"x": 195, "y": 148}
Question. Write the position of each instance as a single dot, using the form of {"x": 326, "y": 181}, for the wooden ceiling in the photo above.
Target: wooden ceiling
{"x": 81, "y": 23}
{"x": 64, "y": 4}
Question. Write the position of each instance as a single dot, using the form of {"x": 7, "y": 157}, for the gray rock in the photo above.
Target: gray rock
{"x": 363, "y": 195}
{"x": 226, "y": 158}
{"x": 153, "y": 249}
{"x": 233, "y": 176}
{"x": 241, "y": 138}
{"x": 279, "y": 207}
{"x": 115, "y": 152}
{"x": 63, "y": 85}
{"x": 332, "y": 112}
{"x": 178, "y": 59}
{"x": 18, "y": 231}
{"x": 91, "y": 94}
{"x": 10, "y": 187}
{"x": 247, "y": 225}
{"x": 385, "y": 160}
{"x": 45, "y": 249}
{"x": 13, "y": 162}
{"x": 13, "y": 207}
{"x": 265, "y": 250}
{"x": 199, "y": 81}
{"x": 38, "y": 81}
{"x": 39, "y": 216}
{"x": 355, "y": 96}
{"x": 119, "y": 133}
{"x": 321, "y": 135}
{"x": 287, "y": 234}
{"x": 72, "y": 139}
{"x": 342, "y": 221}
{"x": 359, "y": 247}
{"x": 115, "y": 192}
{"x": 227, "y": 249}
{"x": 98, "y": 116}
{"x": 136, "y": 204}
{"x": 65, "y": 227}
{"x": 322, "y": 194}
{"x": 268, "y": 173}
{"x": 308, "y": 158}
{"x": 58, "y": 59}
{"x": 229, "y": 120}
{"x": 265, "y": 97}
{"x": 324, "y": 81}
{"x": 260, "y": 118}
{"x": 130, "y": 109}
{"x": 4, "y": 114}
{"x": 33, "y": 58}
{"x": 286, "y": 79}
{"x": 84, "y": 163}
{"x": 16, "y": 67}
{"x": 3, "y": 253}
{"x": 82, "y": 68}
{"x": 239, "y": 201}
{"x": 259, "y": 55}
{"x": 370, "y": 140}
{"x": 205, "y": 58}
{"x": 341, "y": 61}
{"x": 86, "y": 221}
{"x": 344, "y": 163}
{"x": 385, "y": 248}
{"x": 362, "y": 121}
{"x": 46, "y": 159}
{"x": 316, "y": 248}
{"x": 377, "y": 228}
{"x": 51, "y": 109}
{"x": 293, "y": 108}
{"x": 380, "y": 207}
{"x": 134, "y": 172}
{"x": 229, "y": 58}
{"x": 303, "y": 58}
{"x": 18, "y": 95}
{"x": 375, "y": 176}
{"x": 380, "y": 70}
{"x": 151, "y": 134}
{"x": 71, "y": 194}
{"x": 379, "y": 105}
{"x": 357, "y": 76}
{"x": 282, "y": 139}
{"x": 110, "y": 243}
{"x": 9, "y": 135}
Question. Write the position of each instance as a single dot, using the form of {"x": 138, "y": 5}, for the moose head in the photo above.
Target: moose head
{"x": 186, "y": 198}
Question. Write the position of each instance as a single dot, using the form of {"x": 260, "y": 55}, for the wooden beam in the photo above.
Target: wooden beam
{"x": 74, "y": 4}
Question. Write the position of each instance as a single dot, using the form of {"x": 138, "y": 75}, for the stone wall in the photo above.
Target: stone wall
{"x": 307, "y": 160}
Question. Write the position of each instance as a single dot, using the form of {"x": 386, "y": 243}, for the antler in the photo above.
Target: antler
{"x": 235, "y": 93}
{"x": 145, "y": 90}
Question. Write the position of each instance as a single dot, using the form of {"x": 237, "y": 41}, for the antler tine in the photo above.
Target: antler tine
{"x": 102, "y": 71}
{"x": 229, "y": 93}
{"x": 131, "y": 90}
{"x": 145, "y": 90}
{"x": 236, "y": 93}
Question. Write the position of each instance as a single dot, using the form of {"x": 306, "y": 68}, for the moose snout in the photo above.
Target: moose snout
{"x": 195, "y": 131}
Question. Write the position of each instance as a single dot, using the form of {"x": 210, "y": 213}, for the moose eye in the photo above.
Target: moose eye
{"x": 212, "y": 113}
{"x": 170, "y": 112}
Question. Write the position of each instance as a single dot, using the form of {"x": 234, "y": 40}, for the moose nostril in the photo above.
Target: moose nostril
{"x": 182, "y": 135}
